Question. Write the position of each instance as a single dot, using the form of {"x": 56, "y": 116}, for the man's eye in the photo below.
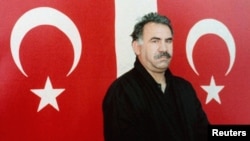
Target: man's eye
{"x": 155, "y": 41}
{"x": 169, "y": 41}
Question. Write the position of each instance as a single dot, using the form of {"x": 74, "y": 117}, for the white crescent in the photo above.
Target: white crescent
{"x": 210, "y": 26}
{"x": 44, "y": 16}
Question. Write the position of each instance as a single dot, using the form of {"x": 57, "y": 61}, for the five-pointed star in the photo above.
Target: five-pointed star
{"x": 48, "y": 95}
{"x": 212, "y": 91}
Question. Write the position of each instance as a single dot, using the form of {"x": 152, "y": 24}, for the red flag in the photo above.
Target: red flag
{"x": 210, "y": 42}
{"x": 57, "y": 60}
{"x": 53, "y": 77}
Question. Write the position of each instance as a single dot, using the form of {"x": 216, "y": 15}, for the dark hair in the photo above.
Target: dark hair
{"x": 150, "y": 17}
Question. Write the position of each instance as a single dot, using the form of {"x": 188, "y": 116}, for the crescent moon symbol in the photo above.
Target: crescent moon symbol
{"x": 210, "y": 26}
{"x": 44, "y": 16}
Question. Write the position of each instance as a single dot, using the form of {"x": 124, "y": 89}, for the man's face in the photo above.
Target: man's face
{"x": 156, "y": 48}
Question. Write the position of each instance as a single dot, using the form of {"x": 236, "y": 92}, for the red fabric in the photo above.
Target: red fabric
{"x": 211, "y": 55}
{"x": 47, "y": 51}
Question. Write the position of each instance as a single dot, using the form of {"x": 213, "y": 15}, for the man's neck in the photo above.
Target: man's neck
{"x": 160, "y": 79}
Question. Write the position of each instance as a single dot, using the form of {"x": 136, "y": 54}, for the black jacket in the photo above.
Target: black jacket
{"x": 135, "y": 109}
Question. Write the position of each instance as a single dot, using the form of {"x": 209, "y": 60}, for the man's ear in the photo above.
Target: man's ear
{"x": 136, "y": 47}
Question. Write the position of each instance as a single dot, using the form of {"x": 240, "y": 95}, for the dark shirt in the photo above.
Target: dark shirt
{"x": 135, "y": 109}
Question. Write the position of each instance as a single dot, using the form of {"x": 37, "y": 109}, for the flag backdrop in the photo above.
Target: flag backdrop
{"x": 57, "y": 59}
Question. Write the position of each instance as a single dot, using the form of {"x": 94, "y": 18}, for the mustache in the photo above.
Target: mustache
{"x": 166, "y": 54}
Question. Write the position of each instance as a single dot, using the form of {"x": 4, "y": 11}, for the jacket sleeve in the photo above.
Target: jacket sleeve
{"x": 196, "y": 118}
{"x": 120, "y": 118}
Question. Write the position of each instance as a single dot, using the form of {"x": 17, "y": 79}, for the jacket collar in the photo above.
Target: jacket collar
{"x": 139, "y": 67}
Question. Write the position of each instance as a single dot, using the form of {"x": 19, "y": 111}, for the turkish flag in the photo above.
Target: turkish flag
{"x": 211, "y": 50}
{"x": 57, "y": 59}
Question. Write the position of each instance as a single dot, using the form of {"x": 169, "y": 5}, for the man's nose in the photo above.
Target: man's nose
{"x": 163, "y": 47}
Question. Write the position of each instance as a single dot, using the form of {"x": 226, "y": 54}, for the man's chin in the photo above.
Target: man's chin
{"x": 164, "y": 63}
{"x": 163, "y": 66}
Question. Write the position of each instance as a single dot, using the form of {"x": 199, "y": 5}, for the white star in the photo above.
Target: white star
{"x": 48, "y": 95}
{"x": 212, "y": 91}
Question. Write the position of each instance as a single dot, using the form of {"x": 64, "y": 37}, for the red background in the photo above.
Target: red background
{"x": 46, "y": 51}
{"x": 211, "y": 55}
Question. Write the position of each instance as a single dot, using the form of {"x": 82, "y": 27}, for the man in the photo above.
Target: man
{"x": 149, "y": 103}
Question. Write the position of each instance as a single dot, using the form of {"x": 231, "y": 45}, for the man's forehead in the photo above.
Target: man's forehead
{"x": 154, "y": 29}
{"x": 157, "y": 33}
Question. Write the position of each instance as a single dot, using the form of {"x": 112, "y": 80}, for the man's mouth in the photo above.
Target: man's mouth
{"x": 163, "y": 54}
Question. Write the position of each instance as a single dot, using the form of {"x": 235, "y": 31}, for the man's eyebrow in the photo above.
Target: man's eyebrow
{"x": 170, "y": 38}
{"x": 155, "y": 38}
